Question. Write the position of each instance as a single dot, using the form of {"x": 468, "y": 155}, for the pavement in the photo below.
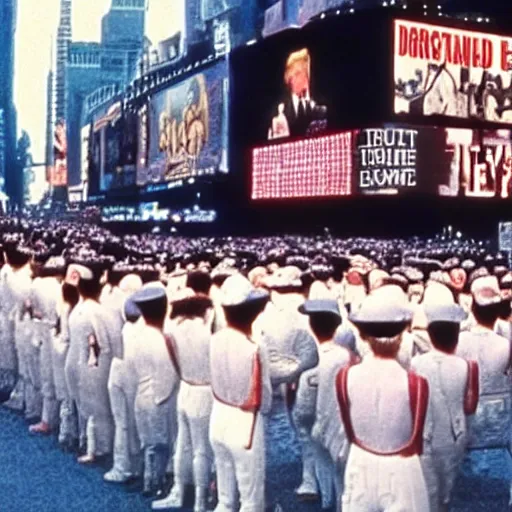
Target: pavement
{"x": 35, "y": 476}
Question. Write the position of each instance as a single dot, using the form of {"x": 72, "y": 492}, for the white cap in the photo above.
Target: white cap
{"x": 237, "y": 290}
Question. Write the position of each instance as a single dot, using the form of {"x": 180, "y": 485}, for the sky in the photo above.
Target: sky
{"x": 37, "y": 23}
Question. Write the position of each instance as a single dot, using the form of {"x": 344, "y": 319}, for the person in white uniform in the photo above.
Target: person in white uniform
{"x": 453, "y": 384}
{"x": 68, "y": 419}
{"x": 158, "y": 381}
{"x": 46, "y": 290}
{"x": 122, "y": 387}
{"x": 8, "y": 355}
{"x": 190, "y": 335}
{"x": 292, "y": 351}
{"x": 20, "y": 284}
{"x": 95, "y": 358}
{"x": 327, "y": 433}
{"x": 491, "y": 425}
{"x": 383, "y": 408}
{"x": 242, "y": 395}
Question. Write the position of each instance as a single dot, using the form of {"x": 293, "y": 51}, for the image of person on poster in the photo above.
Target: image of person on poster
{"x": 298, "y": 115}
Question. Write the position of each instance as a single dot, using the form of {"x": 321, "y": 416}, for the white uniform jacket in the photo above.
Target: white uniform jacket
{"x": 491, "y": 425}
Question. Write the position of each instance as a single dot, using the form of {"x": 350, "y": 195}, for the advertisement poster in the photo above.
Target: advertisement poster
{"x": 480, "y": 163}
{"x": 450, "y": 72}
{"x": 143, "y": 138}
{"x": 85, "y": 157}
{"x": 187, "y": 128}
{"x": 59, "y": 176}
{"x": 387, "y": 160}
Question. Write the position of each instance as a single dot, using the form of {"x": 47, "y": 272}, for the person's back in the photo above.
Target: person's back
{"x": 492, "y": 352}
{"x": 383, "y": 409}
{"x": 232, "y": 357}
{"x": 447, "y": 376}
{"x": 380, "y": 400}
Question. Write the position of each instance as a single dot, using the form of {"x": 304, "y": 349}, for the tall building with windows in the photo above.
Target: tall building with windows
{"x": 49, "y": 120}
{"x": 111, "y": 62}
{"x": 64, "y": 34}
{"x": 9, "y": 181}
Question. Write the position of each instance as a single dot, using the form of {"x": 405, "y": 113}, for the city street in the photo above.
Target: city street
{"x": 37, "y": 477}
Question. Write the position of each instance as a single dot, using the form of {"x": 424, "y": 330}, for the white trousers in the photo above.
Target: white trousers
{"x": 127, "y": 450}
{"x": 193, "y": 447}
{"x": 238, "y": 468}
{"x": 376, "y": 483}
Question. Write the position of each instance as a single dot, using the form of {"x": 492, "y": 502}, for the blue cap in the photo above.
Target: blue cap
{"x": 148, "y": 294}
{"x": 131, "y": 311}
{"x": 310, "y": 307}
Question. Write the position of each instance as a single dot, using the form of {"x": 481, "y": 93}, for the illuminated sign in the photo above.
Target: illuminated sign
{"x": 307, "y": 168}
{"x": 387, "y": 158}
{"x": 451, "y": 72}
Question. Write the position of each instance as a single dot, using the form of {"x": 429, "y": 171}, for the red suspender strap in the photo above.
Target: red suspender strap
{"x": 172, "y": 353}
{"x": 418, "y": 397}
{"x": 354, "y": 359}
{"x": 472, "y": 388}
{"x": 253, "y": 402}
{"x": 343, "y": 401}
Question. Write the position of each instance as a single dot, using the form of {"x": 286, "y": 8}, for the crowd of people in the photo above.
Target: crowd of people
{"x": 392, "y": 356}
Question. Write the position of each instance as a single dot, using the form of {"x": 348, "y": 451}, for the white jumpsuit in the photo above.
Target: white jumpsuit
{"x": 383, "y": 471}
{"x": 453, "y": 385}
{"x": 242, "y": 395}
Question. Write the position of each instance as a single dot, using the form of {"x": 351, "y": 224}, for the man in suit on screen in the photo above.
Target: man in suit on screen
{"x": 299, "y": 108}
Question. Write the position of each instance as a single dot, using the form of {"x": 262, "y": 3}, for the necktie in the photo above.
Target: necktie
{"x": 301, "y": 112}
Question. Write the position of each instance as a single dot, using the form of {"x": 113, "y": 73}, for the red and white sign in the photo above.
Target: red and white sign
{"x": 446, "y": 71}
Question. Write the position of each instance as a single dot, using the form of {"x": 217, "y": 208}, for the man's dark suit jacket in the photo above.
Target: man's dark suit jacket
{"x": 299, "y": 127}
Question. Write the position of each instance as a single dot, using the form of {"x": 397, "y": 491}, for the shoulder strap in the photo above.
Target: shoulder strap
{"x": 418, "y": 398}
{"x": 343, "y": 401}
{"x": 169, "y": 342}
{"x": 253, "y": 402}
{"x": 472, "y": 388}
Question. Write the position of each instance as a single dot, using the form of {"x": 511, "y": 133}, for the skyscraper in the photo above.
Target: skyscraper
{"x": 91, "y": 66}
{"x": 63, "y": 40}
{"x": 49, "y": 119}
{"x": 8, "y": 172}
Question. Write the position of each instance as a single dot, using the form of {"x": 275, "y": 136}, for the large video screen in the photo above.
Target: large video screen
{"x": 388, "y": 160}
{"x": 305, "y": 84}
{"x": 451, "y": 72}
{"x": 188, "y": 133}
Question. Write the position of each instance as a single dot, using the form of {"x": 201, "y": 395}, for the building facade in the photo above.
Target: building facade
{"x": 10, "y": 182}
{"x": 112, "y": 62}
{"x": 64, "y": 34}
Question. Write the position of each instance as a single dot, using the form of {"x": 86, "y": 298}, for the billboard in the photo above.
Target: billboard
{"x": 387, "y": 160}
{"x": 59, "y": 172}
{"x": 113, "y": 153}
{"x": 85, "y": 135}
{"x": 480, "y": 163}
{"x": 445, "y": 71}
{"x": 188, "y": 135}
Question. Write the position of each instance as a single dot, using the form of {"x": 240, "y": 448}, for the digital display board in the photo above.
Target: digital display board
{"x": 391, "y": 159}
{"x": 188, "y": 133}
{"x": 445, "y": 71}
{"x": 308, "y": 168}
